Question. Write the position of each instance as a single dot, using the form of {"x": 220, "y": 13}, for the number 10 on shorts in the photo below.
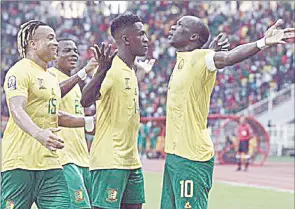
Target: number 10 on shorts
{"x": 186, "y": 188}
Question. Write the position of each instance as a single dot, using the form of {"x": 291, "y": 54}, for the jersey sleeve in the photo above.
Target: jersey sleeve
{"x": 17, "y": 83}
{"x": 106, "y": 84}
{"x": 204, "y": 62}
{"x": 209, "y": 60}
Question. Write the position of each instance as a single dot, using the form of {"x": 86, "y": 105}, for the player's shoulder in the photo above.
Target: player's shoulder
{"x": 53, "y": 71}
{"x": 202, "y": 52}
{"x": 117, "y": 64}
{"x": 20, "y": 68}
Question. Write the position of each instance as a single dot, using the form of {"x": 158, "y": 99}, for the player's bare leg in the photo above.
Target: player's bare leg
{"x": 239, "y": 161}
{"x": 247, "y": 161}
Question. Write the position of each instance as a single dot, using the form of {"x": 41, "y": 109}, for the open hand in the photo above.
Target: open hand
{"x": 103, "y": 56}
{"x": 274, "y": 35}
{"x": 146, "y": 66}
{"x": 49, "y": 140}
{"x": 220, "y": 43}
{"x": 91, "y": 65}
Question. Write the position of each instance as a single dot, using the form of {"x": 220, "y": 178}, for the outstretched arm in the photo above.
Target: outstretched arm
{"x": 91, "y": 91}
{"x": 273, "y": 36}
{"x": 68, "y": 84}
{"x": 72, "y": 121}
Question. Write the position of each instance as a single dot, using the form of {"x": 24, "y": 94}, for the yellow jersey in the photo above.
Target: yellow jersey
{"x": 75, "y": 150}
{"x": 41, "y": 88}
{"x": 188, "y": 100}
{"x": 115, "y": 142}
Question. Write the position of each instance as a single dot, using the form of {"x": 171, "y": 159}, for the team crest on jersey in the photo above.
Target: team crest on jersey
{"x": 187, "y": 205}
{"x": 112, "y": 195}
{"x": 11, "y": 83}
{"x": 180, "y": 65}
{"x": 9, "y": 204}
{"x": 127, "y": 83}
{"x": 41, "y": 83}
{"x": 78, "y": 195}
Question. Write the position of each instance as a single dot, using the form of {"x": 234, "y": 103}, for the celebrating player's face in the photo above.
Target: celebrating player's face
{"x": 179, "y": 34}
{"x": 67, "y": 55}
{"x": 138, "y": 39}
{"x": 45, "y": 43}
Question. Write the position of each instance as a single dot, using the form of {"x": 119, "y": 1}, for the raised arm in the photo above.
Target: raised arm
{"x": 68, "y": 84}
{"x": 91, "y": 91}
{"x": 273, "y": 36}
{"x": 46, "y": 137}
{"x": 219, "y": 43}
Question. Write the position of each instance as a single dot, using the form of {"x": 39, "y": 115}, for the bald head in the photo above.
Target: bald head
{"x": 189, "y": 31}
{"x": 197, "y": 26}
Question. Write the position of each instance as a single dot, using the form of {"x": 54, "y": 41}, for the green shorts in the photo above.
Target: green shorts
{"x": 186, "y": 183}
{"x": 141, "y": 143}
{"x": 111, "y": 187}
{"x": 78, "y": 183}
{"x": 153, "y": 142}
{"x": 48, "y": 189}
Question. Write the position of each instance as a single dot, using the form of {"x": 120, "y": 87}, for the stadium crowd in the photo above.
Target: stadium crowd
{"x": 236, "y": 88}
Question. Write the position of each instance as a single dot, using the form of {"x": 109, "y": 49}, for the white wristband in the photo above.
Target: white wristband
{"x": 82, "y": 74}
{"x": 210, "y": 61}
{"x": 261, "y": 43}
{"x": 89, "y": 123}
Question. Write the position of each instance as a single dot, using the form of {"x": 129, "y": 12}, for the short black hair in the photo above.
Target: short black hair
{"x": 123, "y": 21}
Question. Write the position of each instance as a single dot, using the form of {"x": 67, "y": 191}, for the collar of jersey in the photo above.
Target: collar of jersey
{"x": 119, "y": 62}
{"x": 185, "y": 52}
{"x": 34, "y": 64}
{"x": 56, "y": 71}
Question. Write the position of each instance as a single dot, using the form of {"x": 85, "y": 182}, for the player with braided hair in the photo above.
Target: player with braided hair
{"x": 32, "y": 171}
{"x": 25, "y": 33}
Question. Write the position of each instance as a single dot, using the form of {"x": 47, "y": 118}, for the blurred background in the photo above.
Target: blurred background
{"x": 260, "y": 88}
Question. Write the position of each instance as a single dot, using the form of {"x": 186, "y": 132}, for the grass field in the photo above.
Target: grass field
{"x": 280, "y": 159}
{"x": 224, "y": 196}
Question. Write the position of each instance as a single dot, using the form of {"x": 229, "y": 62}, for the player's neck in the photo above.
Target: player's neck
{"x": 67, "y": 72}
{"x": 37, "y": 60}
{"x": 127, "y": 57}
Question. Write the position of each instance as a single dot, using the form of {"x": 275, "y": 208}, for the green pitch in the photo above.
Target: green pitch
{"x": 224, "y": 196}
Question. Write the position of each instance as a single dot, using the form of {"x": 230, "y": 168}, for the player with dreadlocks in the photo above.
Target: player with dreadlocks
{"x": 31, "y": 170}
